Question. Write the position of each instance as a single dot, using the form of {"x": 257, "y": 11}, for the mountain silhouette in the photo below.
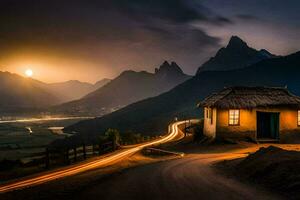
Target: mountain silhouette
{"x": 237, "y": 54}
{"x": 127, "y": 88}
{"x": 74, "y": 89}
{"x": 19, "y": 94}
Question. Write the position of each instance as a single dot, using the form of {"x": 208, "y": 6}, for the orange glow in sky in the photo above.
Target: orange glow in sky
{"x": 51, "y": 69}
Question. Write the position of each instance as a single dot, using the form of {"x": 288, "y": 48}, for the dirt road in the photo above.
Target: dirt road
{"x": 189, "y": 178}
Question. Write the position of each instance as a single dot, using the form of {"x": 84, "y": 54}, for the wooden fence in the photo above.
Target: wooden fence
{"x": 55, "y": 157}
{"x": 52, "y": 157}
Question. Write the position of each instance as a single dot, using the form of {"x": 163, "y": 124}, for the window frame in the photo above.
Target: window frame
{"x": 298, "y": 118}
{"x": 239, "y": 116}
{"x": 207, "y": 113}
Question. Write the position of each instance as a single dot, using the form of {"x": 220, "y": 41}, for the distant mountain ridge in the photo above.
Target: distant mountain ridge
{"x": 19, "y": 93}
{"x": 127, "y": 88}
{"x": 237, "y": 54}
{"x": 101, "y": 83}
{"x": 151, "y": 116}
{"x": 74, "y": 89}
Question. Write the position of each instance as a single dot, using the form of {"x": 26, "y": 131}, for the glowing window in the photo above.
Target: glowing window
{"x": 234, "y": 117}
{"x": 298, "y": 117}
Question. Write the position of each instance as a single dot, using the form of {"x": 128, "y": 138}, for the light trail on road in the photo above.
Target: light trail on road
{"x": 73, "y": 170}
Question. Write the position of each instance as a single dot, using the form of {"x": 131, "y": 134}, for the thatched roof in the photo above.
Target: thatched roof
{"x": 251, "y": 97}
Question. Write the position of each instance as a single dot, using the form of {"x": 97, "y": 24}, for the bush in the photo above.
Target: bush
{"x": 113, "y": 135}
{"x": 132, "y": 138}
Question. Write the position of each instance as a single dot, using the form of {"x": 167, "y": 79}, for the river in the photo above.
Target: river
{"x": 20, "y": 137}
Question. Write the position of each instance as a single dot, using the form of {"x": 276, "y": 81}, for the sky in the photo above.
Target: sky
{"x": 89, "y": 40}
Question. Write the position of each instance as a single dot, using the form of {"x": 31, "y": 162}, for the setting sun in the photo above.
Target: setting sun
{"x": 29, "y": 73}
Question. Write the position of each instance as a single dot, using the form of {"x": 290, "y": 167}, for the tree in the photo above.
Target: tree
{"x": 131, "y": 137}
{"x": 113, "y": 135}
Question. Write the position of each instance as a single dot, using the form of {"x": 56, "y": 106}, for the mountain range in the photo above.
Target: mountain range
{"x": 151, "y": 116}
{"x": 28, "y": 96}
{"x": 24, "y": 95}
{"x": 127, "y": 88}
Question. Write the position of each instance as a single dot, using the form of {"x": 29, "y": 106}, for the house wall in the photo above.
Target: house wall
{"x": 209, "y": 126}
{"x": 289, "y": 129}
{"x": 247, "y": 127}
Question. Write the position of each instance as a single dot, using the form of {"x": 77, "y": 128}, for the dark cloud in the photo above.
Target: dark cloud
{"x": 33, "y": 19}
{"x": 222, "y": 20}
{"x": 126, "y": 27}
{"x": 118, "y": 34}
{"x": 178, "y": 11}
{"x": 247, "y": 17}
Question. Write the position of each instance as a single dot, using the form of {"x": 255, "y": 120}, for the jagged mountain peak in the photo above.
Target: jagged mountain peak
{"x": 236, "y": 42}
{"x": 237, "y": 54}
{"x": 166, "y": 68}
{"x": 165, "y": 64}
{"x": 130, "y": 86}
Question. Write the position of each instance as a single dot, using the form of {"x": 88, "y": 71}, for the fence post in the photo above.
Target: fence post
{"x": 75, "y": 154}
{"x": 67, "y": 161}
{"x": 93, "y": 149}
{"x": 84, "y": 151}
{"x": 99, "y": 149}
{"x": 47, "y": 158}
{"x": 185, "y": 128}
{"x": 114, "y": 145}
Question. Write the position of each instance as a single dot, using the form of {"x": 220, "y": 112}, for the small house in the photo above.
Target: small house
{"x": 259, "y": 113}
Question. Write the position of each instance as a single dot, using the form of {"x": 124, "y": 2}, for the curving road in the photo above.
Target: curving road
{"x": 174, "y": 134}
{"x": 189, "y": 178}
